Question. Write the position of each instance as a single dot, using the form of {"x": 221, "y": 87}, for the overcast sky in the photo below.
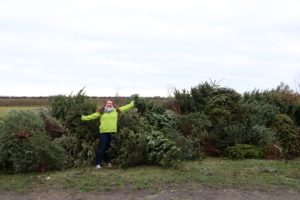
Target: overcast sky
{"x": 147, "y": 47}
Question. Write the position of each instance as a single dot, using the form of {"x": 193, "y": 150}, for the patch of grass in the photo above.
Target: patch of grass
{"x": 19, "y": 182}
{"x": 252, "y": 173}
{"x": 213, "y": 172}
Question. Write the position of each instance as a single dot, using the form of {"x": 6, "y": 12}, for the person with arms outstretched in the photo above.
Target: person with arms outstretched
{"x": 108, "y": 116}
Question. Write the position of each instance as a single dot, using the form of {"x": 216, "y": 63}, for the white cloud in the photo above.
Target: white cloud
{"x": 146, "y": 45}
{"x": 5, "y": 67}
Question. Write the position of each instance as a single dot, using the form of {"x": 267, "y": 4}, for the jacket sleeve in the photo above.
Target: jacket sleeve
{"x": 90, "y": 117}
{"x": 127, "y": 107}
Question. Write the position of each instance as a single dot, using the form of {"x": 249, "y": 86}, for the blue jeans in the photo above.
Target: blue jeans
{"x": 105, "y": 140}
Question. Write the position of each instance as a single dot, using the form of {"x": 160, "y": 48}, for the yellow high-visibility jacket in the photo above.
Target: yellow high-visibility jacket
{"x": 108, "y": 120}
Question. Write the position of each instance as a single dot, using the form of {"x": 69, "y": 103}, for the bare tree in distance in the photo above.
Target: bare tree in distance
{"x": 170, "y": 89}
{"x": 297, "y": 83}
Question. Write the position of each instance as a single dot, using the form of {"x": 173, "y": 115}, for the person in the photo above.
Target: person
{"x": 108, "y": 116}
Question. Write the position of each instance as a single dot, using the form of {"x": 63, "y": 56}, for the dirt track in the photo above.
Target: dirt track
{"x": 180, "y": 193}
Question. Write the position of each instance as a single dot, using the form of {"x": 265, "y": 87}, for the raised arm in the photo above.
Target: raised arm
{"x": 127, "y": 107}
{"x": 93, "y": 116}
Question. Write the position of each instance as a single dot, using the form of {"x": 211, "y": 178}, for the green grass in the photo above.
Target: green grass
{"x": 212, "y": 172}
{"x": 6, "y": 109}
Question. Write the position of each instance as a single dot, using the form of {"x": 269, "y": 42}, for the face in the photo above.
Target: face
{"x": 109, "y": 104}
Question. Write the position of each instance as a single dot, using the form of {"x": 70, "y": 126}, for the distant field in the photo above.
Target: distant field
{"x": 43, "y": 101}
{"x": 26, "y": 103}
{"x": 23, "y": 101}
{"x": 5, "y": 109}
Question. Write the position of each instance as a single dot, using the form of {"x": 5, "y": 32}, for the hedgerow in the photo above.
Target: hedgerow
{"x": 25, "y": 145}
{"x": 205, "y": 120}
